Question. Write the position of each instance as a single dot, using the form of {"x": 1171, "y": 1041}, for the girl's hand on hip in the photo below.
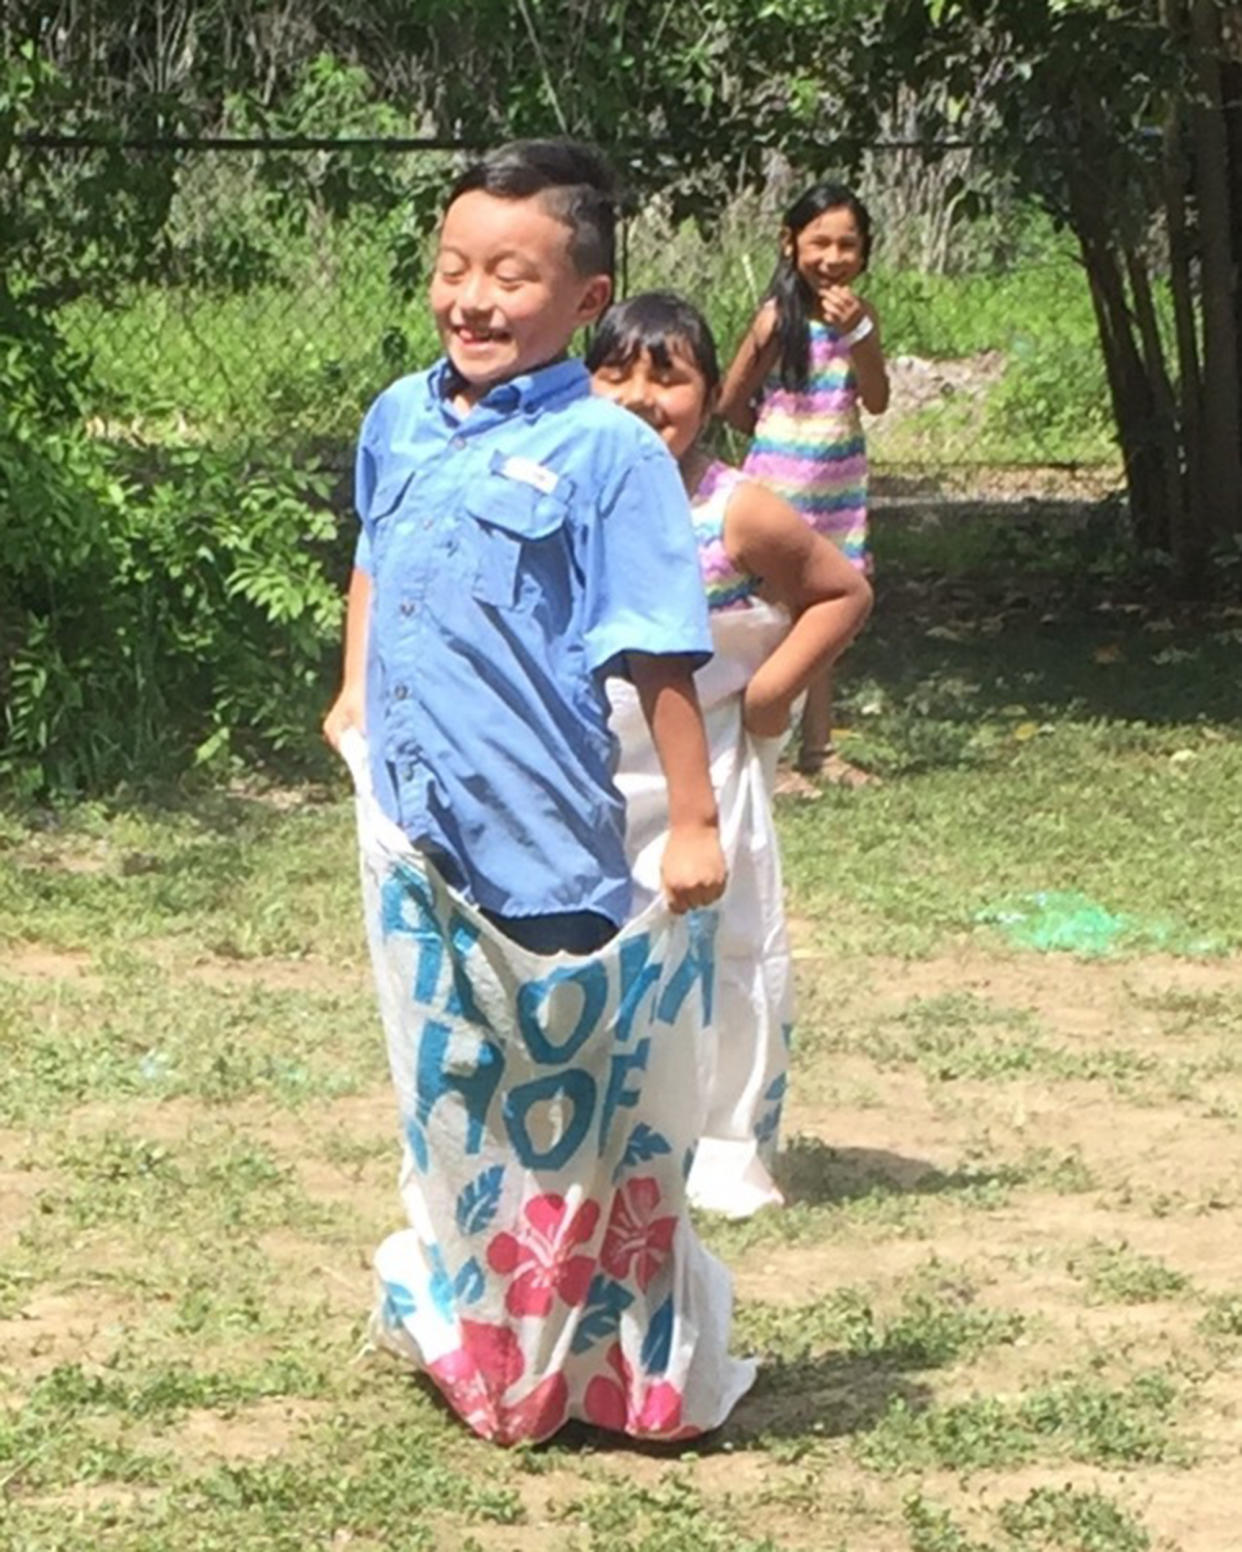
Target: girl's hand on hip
{"x": 693, "y": 871}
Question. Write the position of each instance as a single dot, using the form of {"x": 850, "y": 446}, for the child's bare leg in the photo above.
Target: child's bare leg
{"x": 816, "y": 736}
{"x": 816, "y": 756}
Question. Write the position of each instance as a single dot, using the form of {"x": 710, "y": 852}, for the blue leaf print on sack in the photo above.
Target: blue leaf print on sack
{"x": 787, "y": 1035}
{"x": 398, "y": 1302}
{"x": 477, "y": 1204}
{"x": 658, "y": 1343}
{"x": 470, "y": 1282}
{"x": 776, "y": 1089}
{"x": 645, "y": 1143}
{"x": 441, "y": 1285}
{"x": 602, "y": 1315}
{"x": 416, "y": 1139}
{"x": 768, "y": 1125}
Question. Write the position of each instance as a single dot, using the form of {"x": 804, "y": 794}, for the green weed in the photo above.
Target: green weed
{"x": 1047, "y": 1520}
{"x": 1116, "y": 1274}
{"x": 1082, "y": 1420}
{"x": 935, "y": 1324}
{"x": 1062, "y": 1519}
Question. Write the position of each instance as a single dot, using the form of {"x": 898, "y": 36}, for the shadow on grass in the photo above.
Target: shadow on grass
{"x": 993, "y": 615}
{"x": 811, "y": 1172}
{"x": 827, "y": 1396}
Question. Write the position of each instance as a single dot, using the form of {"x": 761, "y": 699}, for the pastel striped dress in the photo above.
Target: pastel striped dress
{"x": 725, "y": 585}
{"x": 809, "y": 446}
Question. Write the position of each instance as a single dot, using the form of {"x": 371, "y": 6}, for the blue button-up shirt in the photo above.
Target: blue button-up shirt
{"x": 516, "y": 554}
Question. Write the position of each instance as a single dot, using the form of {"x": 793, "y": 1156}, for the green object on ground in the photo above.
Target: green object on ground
{"x": 1063, "y": 921}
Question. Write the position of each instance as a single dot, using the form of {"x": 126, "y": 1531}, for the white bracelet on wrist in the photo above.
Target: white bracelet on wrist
{"x": 859, "y": 332}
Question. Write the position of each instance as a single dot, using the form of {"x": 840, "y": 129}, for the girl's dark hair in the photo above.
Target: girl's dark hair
{"x": 651, "y": 322}
{"x": 576, "y": 182}
{"x": 793, "y": 297}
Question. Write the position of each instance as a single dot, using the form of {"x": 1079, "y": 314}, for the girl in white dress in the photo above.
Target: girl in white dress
{"x": 784, "y": 605}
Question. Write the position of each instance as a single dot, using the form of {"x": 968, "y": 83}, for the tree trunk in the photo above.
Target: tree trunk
{"x": 1164, "y": 412}
{"x": 1222, "y": 388}
{"x": 1189, "y": 539}
{"x": 1134, "y": 408}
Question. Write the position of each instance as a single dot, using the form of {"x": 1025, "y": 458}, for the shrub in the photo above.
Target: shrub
{"x": 154, "y": 612}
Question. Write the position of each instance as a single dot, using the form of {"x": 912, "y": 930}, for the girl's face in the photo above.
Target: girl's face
{"x": 828, "y": 251}
{"x": 673, "y": 399}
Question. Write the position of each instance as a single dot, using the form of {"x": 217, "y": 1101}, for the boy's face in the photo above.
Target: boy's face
{"x": 506, "y": 295}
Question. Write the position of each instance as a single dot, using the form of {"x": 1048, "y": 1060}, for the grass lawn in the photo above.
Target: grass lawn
{"x": 1003, "y": 1312}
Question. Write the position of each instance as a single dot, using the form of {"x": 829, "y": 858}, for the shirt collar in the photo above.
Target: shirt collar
{"x": 529, "y": 391}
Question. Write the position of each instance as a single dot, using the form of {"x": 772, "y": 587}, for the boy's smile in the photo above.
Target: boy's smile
{"x": 506, "y": 294}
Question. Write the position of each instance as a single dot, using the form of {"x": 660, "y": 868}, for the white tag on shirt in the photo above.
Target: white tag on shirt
{"x": 528, "y": 472}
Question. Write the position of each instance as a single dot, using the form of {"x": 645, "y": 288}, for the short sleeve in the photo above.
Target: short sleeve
{"x": 643, "y": 589}
{"x": 365, "y": 477}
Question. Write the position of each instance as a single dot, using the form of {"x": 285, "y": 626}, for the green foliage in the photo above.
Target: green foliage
{"x": 935, "y": 1324}
{"x": 1075, "y": 1419}
{"x": 1048, "y": 1519}
{"x": 1063, "y": 1519}
{"x": 153, "y": 612}
{"x": 1119, "y": 1275}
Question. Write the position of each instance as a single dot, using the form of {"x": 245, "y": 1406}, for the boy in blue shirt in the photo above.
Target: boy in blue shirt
{"x": 520, "y": 541}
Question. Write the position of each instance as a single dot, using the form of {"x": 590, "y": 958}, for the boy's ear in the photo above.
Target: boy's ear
{"x": 788, "y": 246}
{"x": 595, "y": 298}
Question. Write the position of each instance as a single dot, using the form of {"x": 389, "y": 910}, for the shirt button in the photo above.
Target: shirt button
{"x": 458, "y": 443}
{"x": 400, "y": 691}
{"x": 408, "y": 607}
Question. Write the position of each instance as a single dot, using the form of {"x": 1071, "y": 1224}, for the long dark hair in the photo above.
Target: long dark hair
{"x": 653, "y": 321}
{"x": 793, "y": 297}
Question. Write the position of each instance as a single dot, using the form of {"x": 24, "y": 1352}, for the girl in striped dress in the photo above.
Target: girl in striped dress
{"x": 782, "y": 603}
{"x": 811, "y": 357}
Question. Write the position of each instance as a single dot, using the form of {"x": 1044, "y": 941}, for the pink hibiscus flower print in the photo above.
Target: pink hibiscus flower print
{"x": 476, "y": 1378}
{"x": 543, "y": 1258}
{"x": 650, "y": 1411}
{"x": 635, "y": 1237}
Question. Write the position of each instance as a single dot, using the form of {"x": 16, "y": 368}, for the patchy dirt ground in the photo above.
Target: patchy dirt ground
{"x": 1041, "y": 1151}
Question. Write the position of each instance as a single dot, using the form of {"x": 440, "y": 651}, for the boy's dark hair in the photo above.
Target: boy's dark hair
{"x": 651, "y": 322}
{"x": 793, "y": 298}
{"x": 577, "y": 185}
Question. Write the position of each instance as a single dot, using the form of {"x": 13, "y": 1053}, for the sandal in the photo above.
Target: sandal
{"x": 838, "y": 772}
{"x": 792, "y": 783}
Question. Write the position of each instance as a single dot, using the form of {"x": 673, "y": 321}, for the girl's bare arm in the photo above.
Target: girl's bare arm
{"x": 755, "y": 358}
{"x": 828, "y": 599}
{"x": 870, "y": 369}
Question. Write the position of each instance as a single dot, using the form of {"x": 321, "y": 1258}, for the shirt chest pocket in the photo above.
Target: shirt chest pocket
{"x": 385, "y": 504}
{"x": 512, "y": 529}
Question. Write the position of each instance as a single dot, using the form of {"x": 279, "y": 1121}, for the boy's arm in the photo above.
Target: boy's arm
{"x": 750, "y": 366}
{"x": 349, "y": 708}
{"x": 693, "y": 871}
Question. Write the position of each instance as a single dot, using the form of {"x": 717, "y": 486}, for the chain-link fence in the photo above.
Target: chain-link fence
{"x": 284, "y": 286}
